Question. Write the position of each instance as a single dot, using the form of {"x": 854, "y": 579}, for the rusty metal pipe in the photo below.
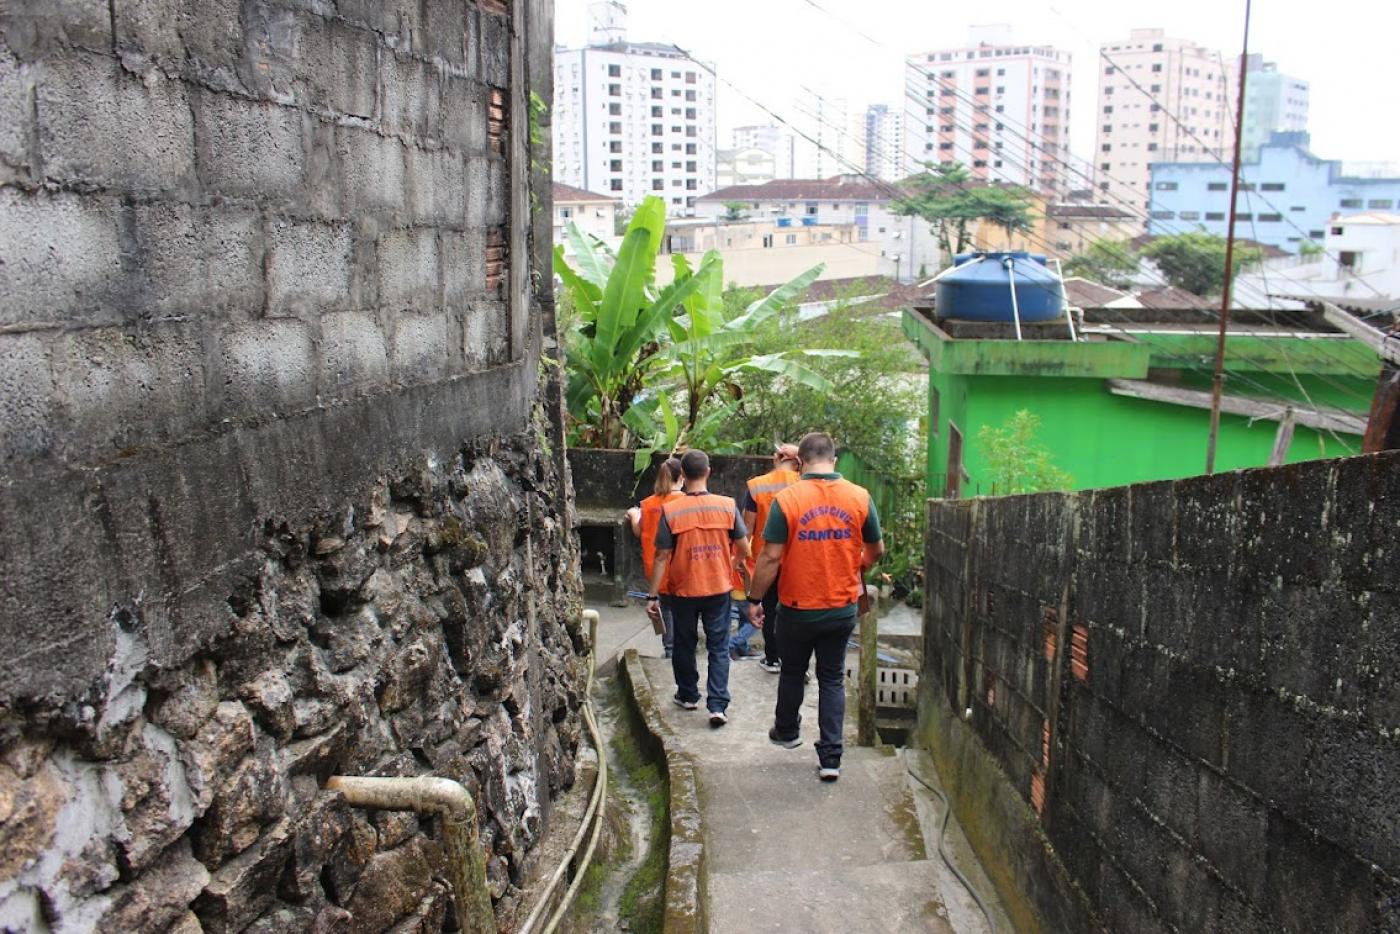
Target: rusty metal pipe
{"x": 453, "y": 806}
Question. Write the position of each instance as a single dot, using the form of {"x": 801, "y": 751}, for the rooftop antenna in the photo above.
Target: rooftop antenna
{"x": 1217, "y": 385}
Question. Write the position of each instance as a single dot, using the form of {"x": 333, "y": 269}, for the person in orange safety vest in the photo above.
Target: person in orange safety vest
{"x": 643, "y": 519}
{"x": 758, "y": 498}
{"x": 823, "y": 533}
{"x": 699, "y": 540}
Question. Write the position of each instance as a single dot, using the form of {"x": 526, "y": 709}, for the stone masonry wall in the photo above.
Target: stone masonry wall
{"x": 281, "y": 490}
{"x": 1190, "y": 689}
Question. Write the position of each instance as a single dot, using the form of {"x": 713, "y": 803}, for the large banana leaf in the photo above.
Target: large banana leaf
{"x": 586, "y": 294}
{"x": 770, "y": 304}
{"x": 785, "y": 365}
{"x": 625, "y": 294}
{"x": 594, "y": 264}
{"x": 653, "y": 319}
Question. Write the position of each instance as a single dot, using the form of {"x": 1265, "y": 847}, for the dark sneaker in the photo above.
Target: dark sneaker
{"x": 718, "y": 718}
{"x": 777, "y": 740}
{"x": 685, "y": 704}
{"x": 828, "y": 773}
{"x": 737, "y": 656}
{"x": 668, "y": 653}
{"x": 771, "y": 667}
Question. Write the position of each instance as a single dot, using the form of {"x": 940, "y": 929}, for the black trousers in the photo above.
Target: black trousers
{"x": 799, "y": 641}
{"x": 770, "y": 624}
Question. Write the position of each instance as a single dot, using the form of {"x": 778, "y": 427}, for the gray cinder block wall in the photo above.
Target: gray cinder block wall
{"x": 281, "y": 491}
{"x": 1176, "y": 706}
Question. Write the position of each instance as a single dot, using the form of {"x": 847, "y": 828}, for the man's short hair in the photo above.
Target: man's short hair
{"x": 695, "y": 464}
{"x": 816, "y": 446}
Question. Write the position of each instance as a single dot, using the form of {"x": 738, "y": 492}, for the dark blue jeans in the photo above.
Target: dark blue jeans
{"x": 796, "y": 643}
{"x": 713, "y": 614}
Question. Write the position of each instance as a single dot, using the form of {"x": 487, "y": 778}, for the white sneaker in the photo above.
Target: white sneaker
{"x": 718, "y": 718}
{"x": 828, "y": 773}
{"x": 685, "y": 704}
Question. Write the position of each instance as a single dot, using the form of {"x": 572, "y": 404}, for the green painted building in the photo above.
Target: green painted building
{"x": 1129, "y": 400}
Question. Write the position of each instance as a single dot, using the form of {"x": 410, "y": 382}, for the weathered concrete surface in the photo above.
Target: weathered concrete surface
{"x": 605, "y": 479}
{"x": 282, "y": 492}
{"x": 1174, "y": 705}
{"x": 785, "y": 851}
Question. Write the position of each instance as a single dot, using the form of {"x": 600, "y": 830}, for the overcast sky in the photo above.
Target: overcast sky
{"x": 771, "y": 49}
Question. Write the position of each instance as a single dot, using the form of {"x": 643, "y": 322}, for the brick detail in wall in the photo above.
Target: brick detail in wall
{"x": 496, "y": 114}
{"x": 1051, "y": 619}
{"x": 495, "y": 7}
{"x": 1079, "y": 652}
{"x": 1038, "y": 791}
{"x": 497, "y": 258}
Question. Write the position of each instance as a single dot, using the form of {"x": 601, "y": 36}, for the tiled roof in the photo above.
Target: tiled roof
{"x": 837, "y": 188}
{"x": 1082, "y": 293}
{"x": 568, "y": 193}
{"x": 1172, "y": 297}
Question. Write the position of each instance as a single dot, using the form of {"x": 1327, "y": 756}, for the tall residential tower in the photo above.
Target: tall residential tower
{"x": 884, "y": 141}
{"x": 1273, "y": 103}
{"x": 999, "y": 108}
{"x": 1160, "y": 100}
{"x": 633, "y": 119}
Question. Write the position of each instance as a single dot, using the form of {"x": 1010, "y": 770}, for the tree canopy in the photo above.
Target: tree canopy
{"x": 1105, "y": 262}
{"x": 947, "y": 196}
{"x": 1195, "y": 261}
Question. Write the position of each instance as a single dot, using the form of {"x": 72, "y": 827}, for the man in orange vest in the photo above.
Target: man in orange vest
{"x": 758, "y": 498}
{"x": 698, "y": 541}
{"x": 823, "y": 533}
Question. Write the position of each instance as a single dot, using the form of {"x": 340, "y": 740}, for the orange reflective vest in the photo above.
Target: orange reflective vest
{"x": 821, "y": 559}
{"x": 763, "y": 489}
{"x": 701, "y": 525}
{"x": 651, "y": 518}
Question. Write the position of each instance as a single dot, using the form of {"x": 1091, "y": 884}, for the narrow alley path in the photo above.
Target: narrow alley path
{"x": 787, "y": 852}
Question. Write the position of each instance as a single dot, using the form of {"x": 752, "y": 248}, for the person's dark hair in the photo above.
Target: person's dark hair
{"x": 667, "y": 473}
{"x": 695, "y": 464}
{"x": 816, "y": 446}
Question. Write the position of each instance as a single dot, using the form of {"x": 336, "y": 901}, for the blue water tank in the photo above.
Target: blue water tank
{"x": 979, "y": 288}
{"x": 785, "y": 222}
{"x": 809, "y": 221}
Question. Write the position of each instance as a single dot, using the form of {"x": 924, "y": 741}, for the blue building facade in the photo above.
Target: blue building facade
{"x": 1287, "y": 195}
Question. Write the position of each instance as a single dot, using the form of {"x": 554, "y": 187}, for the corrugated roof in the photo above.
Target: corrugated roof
{"x": 837, "y": 188}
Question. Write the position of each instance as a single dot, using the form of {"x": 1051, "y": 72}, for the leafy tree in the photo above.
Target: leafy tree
{"x": 1309, "y": 250}
{"x": 1016, "y": 460}
{"x": 1106, "y": 262}
{"x": 735, "y": 210}
{"x": 946, "y": 197}
{"x": 619, "y": 317}
{"x": 1195, "y": 261}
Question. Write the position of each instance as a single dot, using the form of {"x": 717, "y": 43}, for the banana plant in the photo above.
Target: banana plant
{"x": 708, "y": 350}
{"x": 622, "y": 321}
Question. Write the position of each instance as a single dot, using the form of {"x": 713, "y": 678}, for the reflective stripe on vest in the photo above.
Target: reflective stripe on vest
{"x": 763, "y": 489}
{"x": 821, "y": 560}
{"x": 701, "y": 564}
{"x": 651, "y": 518}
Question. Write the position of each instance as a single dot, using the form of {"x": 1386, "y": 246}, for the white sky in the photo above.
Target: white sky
{"x": 772, "y": 48}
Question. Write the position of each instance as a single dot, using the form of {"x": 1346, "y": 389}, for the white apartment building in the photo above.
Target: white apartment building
{"x": 899, "y": 247}
{"x": 884, "y": 141}
{"x": 770, "y": 138}
{"x": 1160, "y": 100}
{"x": 1273, "y": 103}
{"x": 999, "y": 108}
{"x": 830, "y": 136}
{"x": 633, "y": 119}
{"x": 594, "y": 214}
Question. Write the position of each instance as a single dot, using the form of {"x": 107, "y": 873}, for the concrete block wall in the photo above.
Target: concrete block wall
{"x": 275, "y": 462}
{"x": 1190, "y": 687}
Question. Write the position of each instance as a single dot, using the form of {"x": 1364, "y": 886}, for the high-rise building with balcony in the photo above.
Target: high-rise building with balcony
{"x": 770, "y": 138}
{"x": 633, "y": 119}
{"x": 1273, "y": 103}
{"x": 1000, "y": 108}
{"x": 884, "y": 141}
{"x": 1160, "y": 100}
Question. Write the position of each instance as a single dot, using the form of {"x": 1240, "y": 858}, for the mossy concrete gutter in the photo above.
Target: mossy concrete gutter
{"x": 685, "y": 872}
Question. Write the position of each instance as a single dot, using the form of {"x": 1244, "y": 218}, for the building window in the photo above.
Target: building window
{"x": 656, "y": 111}
{"x": 656, "y": 129}
{"x": 615, "y": 165}
{"x": 690, "y": 77}
{"x": 811, "y": 210}
{"x": 1271, "y": 186}
{"x": 1384, "y": 204}
{"x": 1163, "y": 215}
{"x": 1336, "y": 231}
{"x": 690, "y": 166}
{"x": 1271, "y": 218}
{"x": 690, "y": 95}
{"x": 614, "y": 90}
{"x": 1217, "y": 186}
{"x": 614, "y": 109}
{"x": 690, "y": 184}
{"x": 1105, "y": 166}
{"x": 767, "y": 241}
{"x": 1215, "y": 215}
{"x": 690, "y": 113}
{"x": 1351, "y": 202}
{"x": 657, "y": 165}
{"x": 1166, "y": 186}
{"x": 566, "y": 213}
{"x": 614, "y": 71}
{"x": 790, "y": 239}
{"x": 1247, "y": 217}
{"x": 656, "y": 94}
{"x": 1190, "y": 215}
{"x": 615, "y": 145}
{"x": 1108, "y": 109}
{"x": 615, "y": 184}
{"x": 657, "y": 147}
{"x": 690, "y": 149}
{"x": 1107, "y": 147}
{"x": 615, "y": 127}
{"x": 984, "y": 89}
{"x": 1152, "y": 128}
{"x": 1316, "y": 234}
{"x": 657, "y": 184}
{"x": 945, "y": 146}
{"x": 656, "y": 74}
